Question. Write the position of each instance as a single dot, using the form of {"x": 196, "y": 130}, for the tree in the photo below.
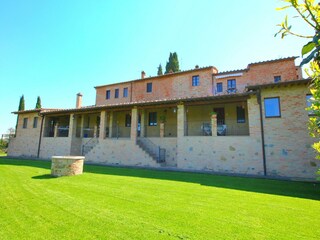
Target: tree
{"x": 38, "y": 104}
{"x": 173, "y": 63}
{"x": 309, "y": 12}
{"x": 21, "y": 104}
{"x": 160, "y": 70}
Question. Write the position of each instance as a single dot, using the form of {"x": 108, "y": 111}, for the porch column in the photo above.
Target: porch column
{"x": 102, "y": 125}
{"x": 134, "y": 124}
{"x": 181, "y": 117}
{"x": 110, "y": 125}
{"x": 214, "y": 125}
{"x": 142, "y": 123}
{"x": 55, "y": 133}
{"x": 71, "y": 132}
{"x": 81, "y": 126}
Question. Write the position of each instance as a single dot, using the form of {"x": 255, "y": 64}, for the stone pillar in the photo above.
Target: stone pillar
{"x": 162, "y": 130}
{"x": 71, "y": 126}
{"x": 214, "y": 125}
{"x": 110, "y": 124}
{"x": 181, "y": 116}
{"x": 102, "y": 124}
{"x": 134, "y": 124}
{"x": 81, "y": 126}
{"x": 143, "y": 123}
{"x": 95, "y": 130}
{"x": 55, "y": 134}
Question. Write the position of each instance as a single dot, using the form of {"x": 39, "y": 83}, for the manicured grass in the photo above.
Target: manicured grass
{"x": 120, "y": 203}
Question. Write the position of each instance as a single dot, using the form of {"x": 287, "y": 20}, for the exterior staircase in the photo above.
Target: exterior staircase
{"x": 86, "y": 148}
{"x": 155, "y": 152}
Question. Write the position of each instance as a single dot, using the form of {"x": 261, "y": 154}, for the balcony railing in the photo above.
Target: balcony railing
{"x": 199, "y": 128}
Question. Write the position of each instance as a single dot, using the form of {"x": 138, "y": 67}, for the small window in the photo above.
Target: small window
{"x": 149, "y": 87}
{"x": 195, "y": 80}
{"x": 153, "y": 119}
{"x": 232, "y": 86}
{"x": 241, "y": 116}
{"x": 116, "y": 93}
{"x": 219, "y": 87}
{"x": 272, "y": 107}
{"x": 309, "y": 100}
{"x": 35, "y": 122}
{"x": 128, "y": 120}
{"x": 277, "y": 79}
{"x": 25, "y": 123}
{"x": 125, "y": 92}
{"x": 108, "y": 94}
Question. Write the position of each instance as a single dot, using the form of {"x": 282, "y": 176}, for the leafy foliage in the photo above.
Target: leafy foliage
{"x": 38, "y": 104}
{"x": 160, "y": 70}
{"x": 309, "y": 11}
{"x": 21, "y": 104}
{"x": 173, "y": 63}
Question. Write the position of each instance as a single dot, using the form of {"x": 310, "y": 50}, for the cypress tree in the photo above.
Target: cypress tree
{"x": 38, "y": 104}
{"x": 160, "y": 70}
{"x": 169, "y": 64}
{"x": 21, "y": 103}
{"x": 173, "y": 63}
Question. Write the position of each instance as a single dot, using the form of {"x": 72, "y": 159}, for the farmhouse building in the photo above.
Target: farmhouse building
{"x": 248, "y": 121}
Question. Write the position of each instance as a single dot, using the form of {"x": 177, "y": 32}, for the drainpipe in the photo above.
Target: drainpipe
{"x": 262, "y": 133}
{"x": 40, "y": 137}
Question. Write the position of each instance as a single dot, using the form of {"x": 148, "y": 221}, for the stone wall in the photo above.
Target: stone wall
{"x": 58, "y": 146}
{"x": 221, "y": 154}
{"x": 26, "y": 142}
{"x": 119, "y": 152}
{"x": 287, "y": 140}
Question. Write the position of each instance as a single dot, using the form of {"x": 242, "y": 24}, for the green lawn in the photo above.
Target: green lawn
{"x": 120, "y": 203}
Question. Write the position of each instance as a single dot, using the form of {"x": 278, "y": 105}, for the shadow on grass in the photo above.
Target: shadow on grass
{"x": 306, "y": 190}
{"x": 44, "y": 176}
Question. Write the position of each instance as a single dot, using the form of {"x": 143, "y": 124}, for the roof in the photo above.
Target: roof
{"x": 278, "y": 84}
{"x": 149, "y": 103}
{"x": 255, "y": 63}
{"x": 274, "y": 60}
{"x": 161, "y": 76}
{"x": 36, "y": 110}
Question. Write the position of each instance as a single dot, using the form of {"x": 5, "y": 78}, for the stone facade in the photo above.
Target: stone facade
{"x": 287, "y": 141}
{"x": 66, "y": 166}
{"x": 178, "y": 118}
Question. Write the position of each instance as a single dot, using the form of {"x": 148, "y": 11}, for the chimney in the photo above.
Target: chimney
{"x": 143, "y": 74}
{"x": 79, "y": 100}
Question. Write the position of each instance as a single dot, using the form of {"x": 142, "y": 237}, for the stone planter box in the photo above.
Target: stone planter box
{"x": 66, "y": 165}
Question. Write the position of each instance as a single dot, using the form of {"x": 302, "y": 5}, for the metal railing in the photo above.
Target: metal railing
{"x": 155, "y": 151}
{"x": 200, "y": 128}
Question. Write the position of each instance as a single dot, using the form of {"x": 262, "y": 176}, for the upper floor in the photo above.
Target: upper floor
{"x": 198, "y": 82}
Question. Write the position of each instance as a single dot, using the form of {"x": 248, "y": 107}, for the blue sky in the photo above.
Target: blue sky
{"x": 55, "y": 49}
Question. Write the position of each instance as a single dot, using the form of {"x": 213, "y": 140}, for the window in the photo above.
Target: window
{"x": 272, "y": 107}
{"x": 128, "y": 120}
{"x": 25, "y": 123}
{"x": 125, "y": 92}
{"x": 309, "y": 101}
{"x": 108, "y": 94}
{"x": 152, "y": 119}
{"x": 195, "y": 80}
{"x": 232, "y": 86}
{"x": 277, "y": 79}
{"x": 116, "y": 93}
{"x": 241, "y": 116}
{"x": 149, "y": 87}
{"x": 35, "y": 122}
{"x": 219, "y": 87}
